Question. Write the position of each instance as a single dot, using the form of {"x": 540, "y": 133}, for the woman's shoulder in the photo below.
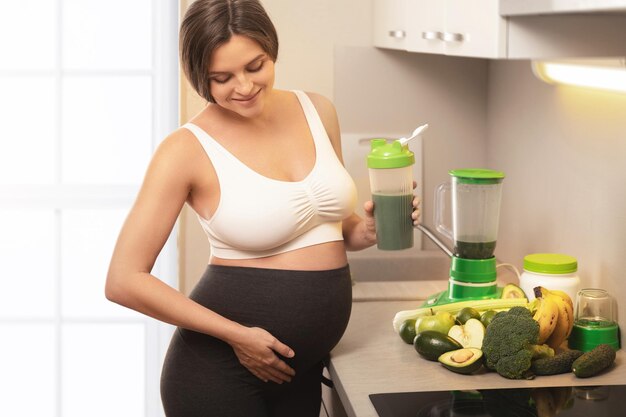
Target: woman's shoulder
{"x": 174, "y": 162}
{"x": 180, "y": 140}
{"x": 328, "y": 115}
{"x": 321, "y": 102}
{"x": 178, "y": 148}
{"x": 325, "y": 108}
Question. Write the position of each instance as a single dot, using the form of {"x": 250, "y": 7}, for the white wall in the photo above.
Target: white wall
{"x": 563, "y": 150}
{"x": 309, "y": 31}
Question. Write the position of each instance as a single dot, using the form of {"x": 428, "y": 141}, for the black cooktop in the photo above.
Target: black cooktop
{"x": 590, "y": 401}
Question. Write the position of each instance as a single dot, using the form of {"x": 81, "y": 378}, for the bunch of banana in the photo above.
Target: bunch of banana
{"x": 546, "y": 314}
{"x": 554, "y": 311}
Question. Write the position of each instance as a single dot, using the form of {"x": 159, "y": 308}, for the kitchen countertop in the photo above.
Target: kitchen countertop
{"x": 371, "y": 357}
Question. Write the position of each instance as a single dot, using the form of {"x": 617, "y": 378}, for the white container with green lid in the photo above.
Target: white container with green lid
{"x": 553, "y": 271}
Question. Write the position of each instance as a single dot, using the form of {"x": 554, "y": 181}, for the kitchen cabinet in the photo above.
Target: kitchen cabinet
{"x": 390, "y": 24}
{"x": 503, "y": 29}
{"x": 449, "y": 27}
{"x": 456, "y": 27}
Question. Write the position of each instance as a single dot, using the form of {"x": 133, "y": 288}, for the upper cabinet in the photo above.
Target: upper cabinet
{"x": 456, "y": 27}
{"x": 390, "y": 23}
{"x": 546, "y": 7}
{"x": 449, "y": 27}
{"x": 510, "y": 29}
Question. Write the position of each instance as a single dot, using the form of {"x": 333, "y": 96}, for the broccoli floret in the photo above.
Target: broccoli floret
{"x": 516, "y": 365}
{"x": 510, "y": 343}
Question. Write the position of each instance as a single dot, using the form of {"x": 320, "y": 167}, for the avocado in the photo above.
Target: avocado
{"x": 593, "y": 362}
{"x": 407, "y": 331}
{"x": 431, "y": 344}
{"x": 558, "y": 364}
{"x": 462, "y": 361}
{"x": 512, "y": 291}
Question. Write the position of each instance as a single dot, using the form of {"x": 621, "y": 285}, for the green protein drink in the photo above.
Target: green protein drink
{"x": 474, "y": 250}
{"x": 390, "y": 166}
{"x": 394, "y": 225}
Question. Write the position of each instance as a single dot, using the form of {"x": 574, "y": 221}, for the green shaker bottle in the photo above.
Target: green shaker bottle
{"x": 391, "y": 183}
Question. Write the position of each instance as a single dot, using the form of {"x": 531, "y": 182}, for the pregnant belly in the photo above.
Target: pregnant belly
{"x": 307, "y": 310}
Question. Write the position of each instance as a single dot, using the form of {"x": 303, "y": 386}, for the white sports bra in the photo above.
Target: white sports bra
{"x": 259, "y": 216}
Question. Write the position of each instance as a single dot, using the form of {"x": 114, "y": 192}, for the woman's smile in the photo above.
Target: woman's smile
{"x": 248, "y": 100}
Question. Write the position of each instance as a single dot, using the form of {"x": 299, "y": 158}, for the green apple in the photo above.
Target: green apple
{"x": 470, "y": 334}
{"x": 440, "y": 322}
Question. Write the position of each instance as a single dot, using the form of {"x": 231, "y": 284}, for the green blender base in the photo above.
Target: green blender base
{"x": 589, "y": 333}
{"x": 470, "y": 279}
{"x": 443, "y": 297}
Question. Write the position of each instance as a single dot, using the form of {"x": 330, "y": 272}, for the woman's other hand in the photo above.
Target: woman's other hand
{"x": 256, "y": 350}
{"x": 369, "y": 222}
{"x": 415, "y": 215}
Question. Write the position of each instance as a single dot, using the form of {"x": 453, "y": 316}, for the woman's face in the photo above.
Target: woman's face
{"x": 242, "y": 76}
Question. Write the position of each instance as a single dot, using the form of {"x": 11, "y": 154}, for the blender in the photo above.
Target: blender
{"x": 475, "y": 211}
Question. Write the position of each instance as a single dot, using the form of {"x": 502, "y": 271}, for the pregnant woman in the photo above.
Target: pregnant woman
{"x": 262, "y": 168}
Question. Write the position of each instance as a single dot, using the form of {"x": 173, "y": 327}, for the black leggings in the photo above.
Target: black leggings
{"x": 306, "y": 310}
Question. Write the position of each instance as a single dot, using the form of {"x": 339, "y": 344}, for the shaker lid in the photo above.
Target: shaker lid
{"x": 385, "y": 154}
{"x": 550, "y": 263}
{"x": 477, "y": 176}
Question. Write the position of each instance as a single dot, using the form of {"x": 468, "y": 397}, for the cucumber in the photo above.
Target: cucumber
{"x": 593, "y": 362}
{"x": 560, "y": 363}
{"x": 431, "y": 344}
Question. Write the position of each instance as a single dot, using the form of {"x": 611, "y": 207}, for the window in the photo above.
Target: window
{"x": 87, "y": 90}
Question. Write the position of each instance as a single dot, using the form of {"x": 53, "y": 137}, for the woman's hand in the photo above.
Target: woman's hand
{"x": 416, "y": 211}
{"x": 369, "y": 230}
{"x": 256, "y": 350}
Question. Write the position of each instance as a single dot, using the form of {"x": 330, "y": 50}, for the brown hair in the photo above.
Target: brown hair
{"x": 209, "y": 24}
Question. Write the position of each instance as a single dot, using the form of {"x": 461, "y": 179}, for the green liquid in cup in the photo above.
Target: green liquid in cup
{"x": 595, "y": 323}
{"x": 474, "y": 250}
{"x": 394, "y": 225}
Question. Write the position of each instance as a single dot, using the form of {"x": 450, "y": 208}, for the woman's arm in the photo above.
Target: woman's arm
{"x": 358, "y": 233}
{"x": 166, "y": 187}
{"x": 150, "y": 221}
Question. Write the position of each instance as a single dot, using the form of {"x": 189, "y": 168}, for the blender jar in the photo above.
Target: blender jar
{"x": 476, "y": 195}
